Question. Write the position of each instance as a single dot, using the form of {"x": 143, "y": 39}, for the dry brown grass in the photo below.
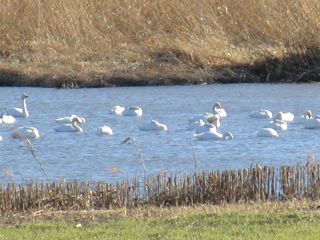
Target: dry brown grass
{"x": 258, "y": 184}
{"x": 102, "y": 43}
{"x": 150, "y": 212}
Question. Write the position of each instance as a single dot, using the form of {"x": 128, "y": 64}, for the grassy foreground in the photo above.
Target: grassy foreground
{"x": 133, "y": 42}
{"x": 278, "y": 220}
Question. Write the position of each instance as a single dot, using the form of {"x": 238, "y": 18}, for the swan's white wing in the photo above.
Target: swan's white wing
{"x": 65, "y": 128}
{"x": 26, "y": 132}
{"x": 15, "y": 112}
{"x": 6, "y": 119}
{"x": 209, "y": 136}
{"x": 311, "y": 123}
{"x": 267, "y": 132}
{"x": 105, "y": 130}
{"x": 64, "y": 120}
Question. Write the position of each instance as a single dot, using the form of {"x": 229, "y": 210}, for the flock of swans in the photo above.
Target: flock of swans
{"x": 204, "y": 126}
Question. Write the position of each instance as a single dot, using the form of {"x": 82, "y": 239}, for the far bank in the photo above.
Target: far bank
{"x": 124, "y": 43}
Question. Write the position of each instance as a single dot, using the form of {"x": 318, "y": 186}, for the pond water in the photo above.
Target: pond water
{"x": 91, "y": 157}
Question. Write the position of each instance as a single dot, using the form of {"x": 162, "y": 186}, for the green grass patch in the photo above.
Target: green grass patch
{"x": 256, "y": 221}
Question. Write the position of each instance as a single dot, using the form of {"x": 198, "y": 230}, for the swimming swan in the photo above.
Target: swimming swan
{"x": 73, "y": 127}
{"x": 1, "y": 139}
{"x": 277, "y": 125}
{"x": 117, "y": 110}
{"x": 287, "y": 117}
{"x": 19, "y": 112}
{"x": 313, "y": 123}
{"x": 6, "y": 119}
{"x": 105, "y": 130}
{"x": 261, "y": 114}
{"x": 207, "y": 127}
{"x": 267, "y": 132}
{"x": 133, "y": 111}
{"x": 217, "y": 109}
{"x": 214, "y": 136}
{"x": 306, "y": 116}
{"x": 69, "y": 119}
{"x": 26, "y": 132}
{"x": 154, "y": 126}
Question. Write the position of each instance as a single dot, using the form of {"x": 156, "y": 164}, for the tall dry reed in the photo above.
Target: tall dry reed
{"x": 93, "y": 41}
{"x": 215, "y": 187}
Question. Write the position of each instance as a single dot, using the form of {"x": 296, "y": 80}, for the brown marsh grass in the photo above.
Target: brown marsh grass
{"x": 139, "y": 42}
{"x": 254, "y": 184}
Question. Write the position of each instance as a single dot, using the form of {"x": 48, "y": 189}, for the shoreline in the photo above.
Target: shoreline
{"x": 13, "y": 78}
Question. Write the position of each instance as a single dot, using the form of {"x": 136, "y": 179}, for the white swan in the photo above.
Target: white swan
{"x": 215, "y": 119}
{"x": 154, "y": 126}
{"x": 26, "y": 132}
{"x": 1, "y": 139}
{"x": 214, "y": 136}
{"x": 73, "y": 127}
{"x": 6, "y": 119}
{"x": 306, "y": 116}
{"x": 267, "y": 132}
{"x": 133, "y": 111}
{"x": 117, "y": 110}
{"x": 69, "y": 119}
{"x": 277, "y": 125}
{"x": 261, "y": 114}
{"x": 217, "y": 109}
{"x": 287, "y": 117}
{"x": 207, "y": 127}
{"x": 105, "y": 130}
{"x": 19, "y": 112}
{"x": 313, "y": 123}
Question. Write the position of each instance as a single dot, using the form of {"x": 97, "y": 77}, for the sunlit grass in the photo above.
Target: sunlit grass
{"x": 289, "y": 220}
{"x": 94, "y": 41}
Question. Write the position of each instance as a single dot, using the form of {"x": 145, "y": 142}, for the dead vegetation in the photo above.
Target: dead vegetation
{"x": 105, "y": 43}
{"x": 254, "y": 184}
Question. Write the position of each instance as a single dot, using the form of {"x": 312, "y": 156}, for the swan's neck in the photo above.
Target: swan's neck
{"x": 77, "y": 127}
{"x": 24, "y": 108}
{"x": 228, "y": 136}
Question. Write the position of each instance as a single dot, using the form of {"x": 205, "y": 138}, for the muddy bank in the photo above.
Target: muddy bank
{"x": 291, "y": 70}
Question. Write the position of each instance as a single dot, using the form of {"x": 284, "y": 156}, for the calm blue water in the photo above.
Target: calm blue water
{"x": 88, "y": 156}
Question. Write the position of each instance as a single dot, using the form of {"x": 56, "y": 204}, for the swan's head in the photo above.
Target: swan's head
{"x": 217, "y": 105}
{"x": 76, "y": 120}
{"x": 24, "y": 95}
{"x": 280, "y": 116}
{"x": 308, "y": 114}
{"x": 228, "y": 136}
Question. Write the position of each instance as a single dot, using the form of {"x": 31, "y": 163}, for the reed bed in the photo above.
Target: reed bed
{"x": 216, "y": 187}
{"x": 138, "y": 42}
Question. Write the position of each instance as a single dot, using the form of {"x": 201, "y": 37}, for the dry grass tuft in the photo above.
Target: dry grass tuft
{"x": 102, "y": 43}
{"x": 255, "y": 184}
